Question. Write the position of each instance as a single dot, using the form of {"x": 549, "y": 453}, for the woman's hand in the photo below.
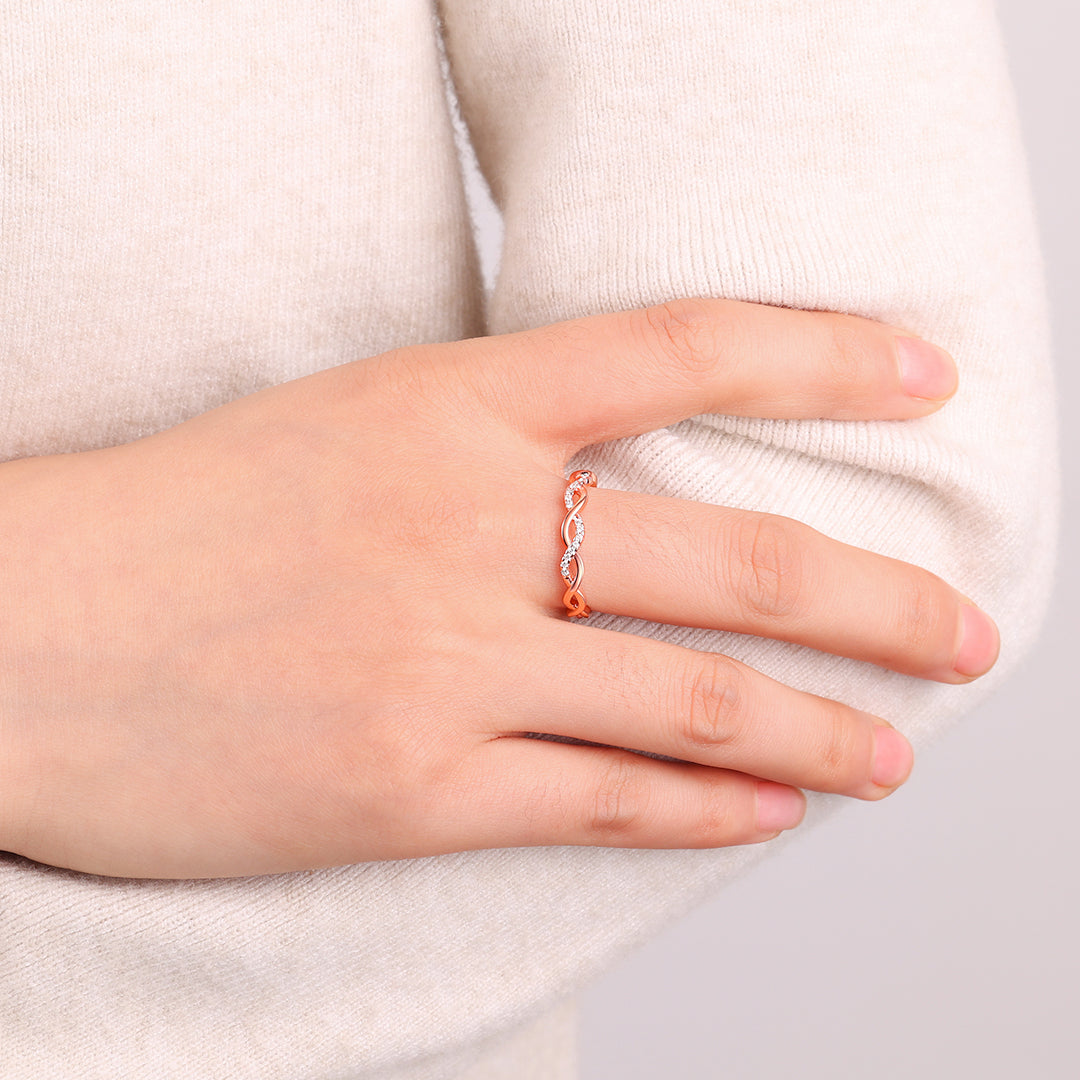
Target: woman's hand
{"x": 312, "y": 627}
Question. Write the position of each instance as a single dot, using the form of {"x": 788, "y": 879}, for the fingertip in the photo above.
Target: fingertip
{"x": 893, "y": 757}
{"x": 927, "y": 373}
{"x": 979, "y": 644}
{"x": 779, "y": 807}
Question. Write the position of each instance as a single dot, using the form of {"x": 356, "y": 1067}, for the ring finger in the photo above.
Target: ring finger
{"x": 693, "y": 564}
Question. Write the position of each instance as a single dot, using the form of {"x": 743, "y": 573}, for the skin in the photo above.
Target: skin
{"x": 311, "y": 627}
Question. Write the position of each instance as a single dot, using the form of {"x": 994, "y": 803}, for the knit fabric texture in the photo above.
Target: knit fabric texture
{"x": 203, "y": 199}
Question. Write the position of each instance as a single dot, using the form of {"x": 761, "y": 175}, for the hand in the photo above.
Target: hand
{"x": 312, "y": 626}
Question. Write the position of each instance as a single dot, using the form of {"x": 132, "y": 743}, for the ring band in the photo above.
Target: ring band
{"x": 577, "y": 495}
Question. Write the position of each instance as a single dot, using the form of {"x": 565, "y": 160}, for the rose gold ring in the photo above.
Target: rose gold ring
{"x": 577, "y": 495}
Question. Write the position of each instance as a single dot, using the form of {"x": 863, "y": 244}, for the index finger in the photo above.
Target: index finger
{"x": 608, "y": 376}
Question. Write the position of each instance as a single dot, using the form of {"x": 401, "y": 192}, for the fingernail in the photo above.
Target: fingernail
{"x": 925, "y": 370}
{"x": 778, "y": 806}
{"x": 979, "y": 642}
{"x": 893, "y": 757}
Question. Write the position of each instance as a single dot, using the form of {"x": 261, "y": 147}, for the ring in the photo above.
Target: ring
{"x": 577, "y": 495}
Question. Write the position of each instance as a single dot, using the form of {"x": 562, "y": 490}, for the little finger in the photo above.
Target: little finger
{"x": 636, "y": 693}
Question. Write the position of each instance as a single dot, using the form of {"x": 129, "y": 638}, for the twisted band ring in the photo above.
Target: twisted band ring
{"x": 577, "y": 495}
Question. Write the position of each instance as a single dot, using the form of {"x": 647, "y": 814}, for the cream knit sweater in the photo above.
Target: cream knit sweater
{"x": 203, "y": 197}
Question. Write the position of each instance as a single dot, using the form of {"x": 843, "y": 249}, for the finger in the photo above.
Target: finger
{"x": 636, "y": 693}
{"x": 693, "y": 564}
{"x": 600, "y": 378}
{"x": 539, "y": 792}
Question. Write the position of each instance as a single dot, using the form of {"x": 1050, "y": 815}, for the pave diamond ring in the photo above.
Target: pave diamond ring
{"x": 577, "y": 495}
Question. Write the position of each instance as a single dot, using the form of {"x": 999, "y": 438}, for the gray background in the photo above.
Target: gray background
{"x": 935, "y": 934}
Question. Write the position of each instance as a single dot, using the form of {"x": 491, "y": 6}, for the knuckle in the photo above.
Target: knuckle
{"x": 621, "y": 799}
{"x": 710, "y": 714}
{"x": 843, "y": 758}
{"x": 417, "y": 384}
{"x": 723, "y": 814}
{"x": 683, "y": 333}
{"x": 406, "y": 369}
{"x": 848, "y": 358}
{"x": 926, "y": 619}
{"x": 769, "y": 567}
